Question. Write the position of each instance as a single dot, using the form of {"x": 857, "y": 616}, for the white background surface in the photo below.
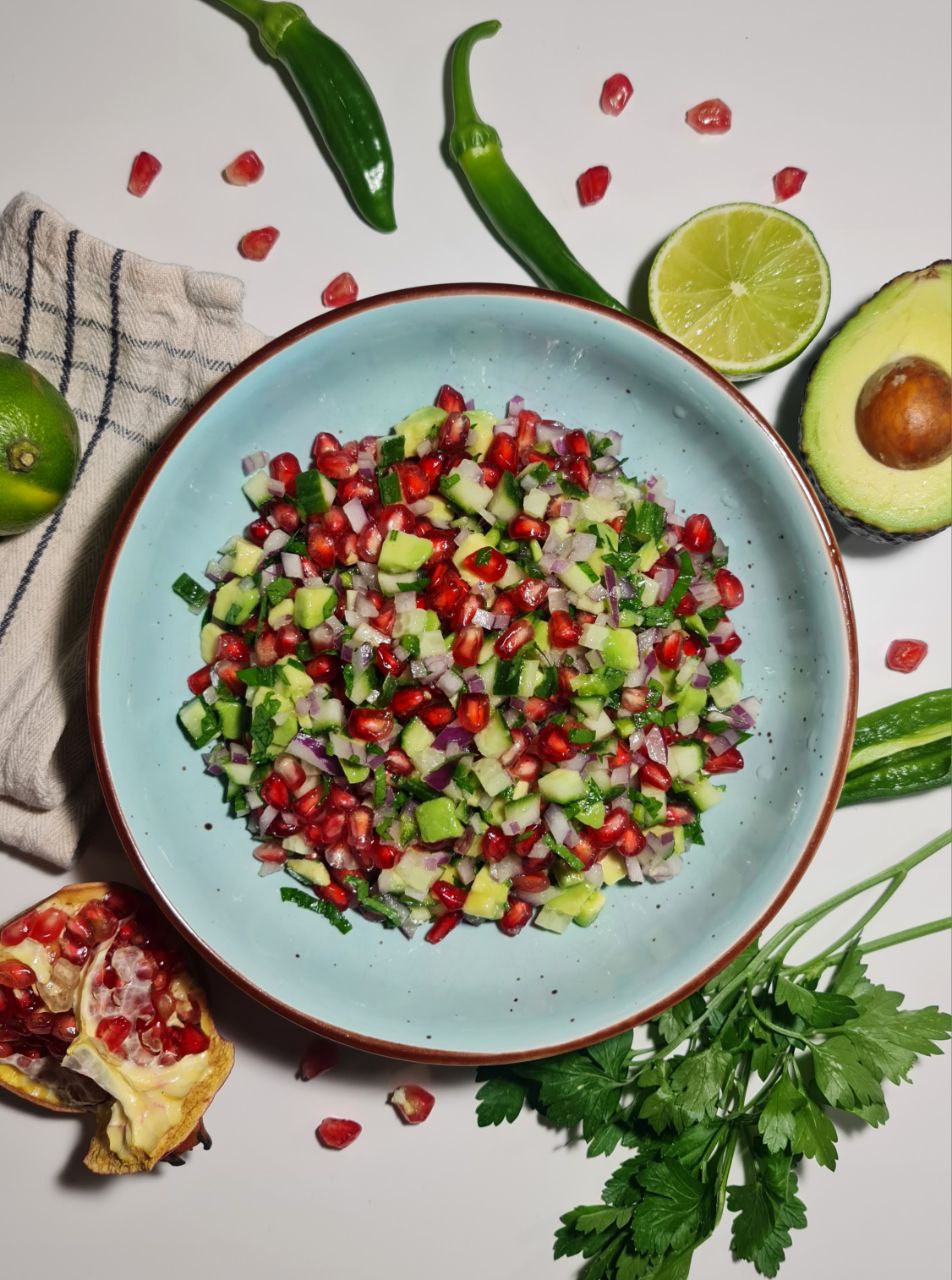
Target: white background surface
{"x": 857, "y": 94}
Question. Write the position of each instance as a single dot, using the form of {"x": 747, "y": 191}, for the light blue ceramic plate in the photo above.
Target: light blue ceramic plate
{"x": 479, "y": 996}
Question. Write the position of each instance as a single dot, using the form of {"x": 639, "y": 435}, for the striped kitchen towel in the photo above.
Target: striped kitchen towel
{"x": 131, "y": 344}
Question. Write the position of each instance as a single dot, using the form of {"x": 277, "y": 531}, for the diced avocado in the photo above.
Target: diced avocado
{"x": 280, "y": 614}
{"x": 416, "y": 426}
{"x": 313, "y": 605}
{"x": 524, "y": 811}
{"x": 298, "y": 682}
{"x": 495, "y": 739}
{"x": 590, "y": 908}
{"x": 234, "y": 603}
{"x": 487, "y": 898}
{"x": 492, "y": 776}
{"x": 209, "y": 641}
{"x": 464, "y": 492}
{"x": 589, "y": 808}
{"x": 562, "y": 785}
{"x": 621, "y": 649}
{"x": 565, "y": 876}
{"x": 309, "y": 869}
{"x": 691, "y": 701}
{"x": 571, "y": 902}
{"x": 416, "y": 737}
{"x": 437, "y": 820}
{"x": 256, "y": 488}
{"x": 704, "y": 795}
{"x": 685, "y": 760}
{"x": 329, "y": 716}
{"x": 403, "y": 552}
{"x": 507, "y": 500}
{"x": 481, "y": 424}
{"x": 613, "y": 868}
{"x": 198, "y": 721}
{"x": 536, "y": 503}
{"x": 231, "y": 714}
{"x": 245, "y": 557}
{"x": 413, "y": 872}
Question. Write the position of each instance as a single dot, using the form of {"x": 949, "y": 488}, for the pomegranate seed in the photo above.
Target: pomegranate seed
{"x": 608, "y": 834}
{"x": 446, "y": 924}
{"x": 306, "y": 806}
{"x": 48, "y": 924}
{"x": 145, "y": 169}
{"x": 413, "y": 481}
{"x": 526, "y": 768}
{"x": 324, "y": 442}
{"x": 698, "y": 534}
{"x": 412, "y": 1103}
{"x": 472, "y": 711}
{"x": 579, "y": 471}
{"x": 386, "y": 856}
{"x": 669, "y": 650}
{"x": 369, "y": 725}
{"x": 631, "y": 841}
{"x": 685, "y": 606}
{"x": 318, "y": 1058}
{"x": 494, "y": 845}
{"x": 503, "y": 454}
{"x": 335, "y": 894}
{"x": 16, "y": 931}
{"x": 487, "y": 563}
{"x": 564, "y": 631}
{"x": 407, "y": 701}
{"x": 531, "y": 882}
{"x": 730, "y": 588}
{"x": 244, "y": 169}
{"x": 788, "y": 182}
{"x": 274, "y": 791}
{"x": 452, "y": 896}
{"x": 728, "y": 645}
{"x": 233, "y": 648}
{"x": 713, "y": 115}
{"x": 323, "y": 669}
{"x": 513, "y": 639}
{"x": 340, "y": 798}
{"x": 553, "y": 744}
{"x": 256, "y": 245}
{"x": 387, "y": 661}
{"x": 692, "y": 647}
{"x": 905, "y": 655}
{"x": 65, "y": 1027}
{"x": 450, "y": 399}
{"x": 113, "y": 1031}
{"x": 437, "y": 714}
{"x": 369, "y": 542}
{"x": 465, "y": 611}
{"x": 199, "y": 680}
{"x": 398, "y": 762}
{"x": 616, "y": 94}
{"x": 336, "y": 465}
{"x": 273, "y": 854}
{"x": 515, "y": 919}
{"x": 360, "y": 827}
{"x": 467, "y": 645}
{"x": 396, "y": 517}
{"x": 491, "y": 474}
{"x": 39, "y": 1022}
{"x": 729, "y": 761}
{"x": 654, "y": 775}
{"x": 336, "y": 1133}
{"x": 341, "y": 291}
{"x": 593, "y": 183}
{"x": 291, "y": 770}
{"x": 524, "y": 527}
{"x": 286, "y": 468}
{"x": 16, "y": 975}
{"x": 453, "y": 433}
{"x": 528, "y": 594}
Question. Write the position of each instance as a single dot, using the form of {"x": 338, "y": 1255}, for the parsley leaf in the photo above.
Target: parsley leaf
{"x": 669, "y": 1217}
{"x": 818, "y": 1008}
{"x": 767, "y": 1209}
{"x": 500, "y": 1099}
{"x": 262, "y": 728}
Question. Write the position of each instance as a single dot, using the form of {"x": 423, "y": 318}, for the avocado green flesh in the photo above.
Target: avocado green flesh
{"x": 910, "y": 316}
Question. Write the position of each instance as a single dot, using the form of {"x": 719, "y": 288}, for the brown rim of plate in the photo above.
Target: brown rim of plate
{"x": 369, "y": 1044}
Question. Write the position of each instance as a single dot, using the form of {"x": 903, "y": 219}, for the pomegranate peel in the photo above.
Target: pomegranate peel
{"x": 148, "y": 1096}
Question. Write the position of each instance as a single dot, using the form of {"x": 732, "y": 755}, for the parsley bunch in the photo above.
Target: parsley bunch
{"x": 754, "y": 1065}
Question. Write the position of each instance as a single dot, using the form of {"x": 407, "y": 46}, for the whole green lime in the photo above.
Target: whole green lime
{"x": 39, "y": 446}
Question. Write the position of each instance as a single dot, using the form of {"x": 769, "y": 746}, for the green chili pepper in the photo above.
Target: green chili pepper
{"x": 509, "y": 208}
{"x": 901, "y": 749}
{"x": 339, "y": 100}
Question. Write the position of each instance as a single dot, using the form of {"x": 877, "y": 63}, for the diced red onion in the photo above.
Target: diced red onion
{"x": 620, "y": 777}
{"x": 688, "y": 725}
{"x": 355, "y": 513}
{"x": 701, "y": 679}
{"x": 637, "y": 740}
{"x": 422, "y": 507}
{"x": 312, "y": 752}
{"x": 450, "y": 683}
{"x": 417, "y": 669}
{"x": 647, "y": 640}
{"x": 466, "y": 870}
{"x": 275, "y": 540}
{"x": 635, "y": 873}
{"x": 210, "y": 696}
{"x": 576, "y": 763}
{"x": 404, "y": 601}
{"x": 558, "y": 600}
{"x": 238, "y": 753}
{"x": 254, "y": 461}
{"x": 276, "y": 488}
{"x": 215, "y": 571}
{"x": 481, "y": 618}
{"x": 595, "y": 876}
{"x": 322, "y": 637}
{"x": 655, "y": 745}
{"x": 291, "y": 564}
{"x": 506, "y": 867}
{"x": 650, "y": 663}
{"x": 266, "y": 817}
{"x": 475, "y": 684}
{"x": 504, "y": 427}
{"x": 665, "y": 578}
{"x": 440, "y": 778}
{"x": 558, "y": 824}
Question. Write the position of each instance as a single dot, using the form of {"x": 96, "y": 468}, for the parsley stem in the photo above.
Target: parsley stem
{"x": 820, "y": 962}
{"x": 765, "y": 1022}
{"x": 904, "y": 935}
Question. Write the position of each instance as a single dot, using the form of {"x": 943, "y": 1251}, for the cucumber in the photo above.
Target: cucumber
{"x": 562, "y": 786}
{"x": 231, "y": 714}
{"x": 467, "y": 494}
{"x": 506, "y": 502}
{"x": 355, "y": 772}
{"x": 315, "y": 493}
{"x": 239, "y": 774}
{"x": 209, "y": 641}
{"x": 726, "y": 693}
{"x": 403, "y": 553}
{"x": 685, "y": 760}
{"x": 590, "y": 908}
{"x": 535, "y": 503}
{"x": 307, "y": 869}
{"x": 487, "y": 898}
{"x": 578, "y": 578}
{"x": 691, "y": 701}
{"x": 525, "y": 812}
{"x": 704, "y": 795}
{"x": 492, "y": 776}
{"x": 329, "y": 716}
{"x": 313, "y": 605}
{"x": 495, "y": 740}
{"x": 199, "y": 722}
{"x": 416, "y": 737}
{"x": 256, "y": 490}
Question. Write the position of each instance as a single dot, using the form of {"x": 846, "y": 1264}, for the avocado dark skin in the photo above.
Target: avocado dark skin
{"x": 875, "y": 432}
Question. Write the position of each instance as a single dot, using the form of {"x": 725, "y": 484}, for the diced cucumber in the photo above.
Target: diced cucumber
{"x": 595, "y": 635}
{"x": 403, "y": 553}
{"x": 231, "y": 714}
{"x": 413, "y": 872}
{"x": 391, "y": 584}
{"x": 355, "y": 772}
{"x": 209, "y": 641}
{"x": 362, "y": 686}
{"x": 329, "y": 716}
{"x": 416, "y": 737}
{"x": 685, "y": 760}
{"x": 569, "y": 903}
{"x": 590, "y": 908}
{"x": 465, "y": 493}
{"x": 245, "y": 557}
{"x": 309, "y": 869}
{"x": 431, "y": 644}
{"x": 691, "y": 701}
{"x": 234, "y": 603}
{"x": 726, "y": 693}
{"x": 256, "y": 489}
{"x": 506, "y": 502}
{"x": 312, "y": 605}
{"x": 535, "y": 503}
{"x": 487, "y": 898}
{"x": 704, "y": 795}
{"x": 199, "y": 722}
{"x": 495, "y": 739}
{"x": 409, "y": 623}
{"x": 578, "y": 578}
{"x": 553, "y": 921}
{"x": 481, "y": 424}
{"x": 528, "y": 677}
{"x": 562, "y": 786}
{"x": 315, "y": 493}
{"x": 297, "y": 681}
{"x": 524, "y": 812}
{"x": 492, "y": 776}
{"x": 621, "y": 649}
{"x": 613, "y": 868}
{"x": 239, "y": 774}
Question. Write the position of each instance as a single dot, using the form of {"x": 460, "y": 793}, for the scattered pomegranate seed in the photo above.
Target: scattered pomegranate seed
{"x": 145, "y": 169}
{"x": 669, "y": 650}
{"x": 336, "y": 1133}
{"x": 593, "y": 183}
{"x": 515, "y": 919}
{"x": 450, "y": 399}
{"x": 788, "y": 182}
{"x": 523, "y": 527}
{"x": 412, "y": 1103}
{"x": 452, "y": 896}
{"x": 446, "y": 924}
{"x": 256, "y": 245}
{"x": 729, "y": 761}
{"x": 713, "y": 115}
{"x": 616, "y": 94}
{"x": 341, "y": 291}
{"x": 319, "y": 1056}
{"x": 244, "y": 169}
{"x": 698, "y": 534}
{"x": 905, "y": 655}
{"x": 730, "y": 587}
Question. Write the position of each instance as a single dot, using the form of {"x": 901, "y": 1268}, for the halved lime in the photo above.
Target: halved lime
{"x": 39, "y": 446}
{"x": 745, "y": 286}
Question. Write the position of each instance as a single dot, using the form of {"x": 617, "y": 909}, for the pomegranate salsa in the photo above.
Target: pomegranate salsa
{"x": 467, "y": 671}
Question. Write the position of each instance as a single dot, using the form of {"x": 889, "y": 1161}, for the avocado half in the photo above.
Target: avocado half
{"x": 881, "y": 390}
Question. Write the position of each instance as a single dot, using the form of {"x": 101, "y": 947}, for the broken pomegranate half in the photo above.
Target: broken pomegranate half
{"x": 99, "y": 1013}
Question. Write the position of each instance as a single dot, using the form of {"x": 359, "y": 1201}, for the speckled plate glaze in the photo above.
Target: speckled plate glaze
{"x": 478, "y": 997}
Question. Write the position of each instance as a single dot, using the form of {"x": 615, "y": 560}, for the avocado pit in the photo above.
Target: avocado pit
{"x": 904, "y": 414}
